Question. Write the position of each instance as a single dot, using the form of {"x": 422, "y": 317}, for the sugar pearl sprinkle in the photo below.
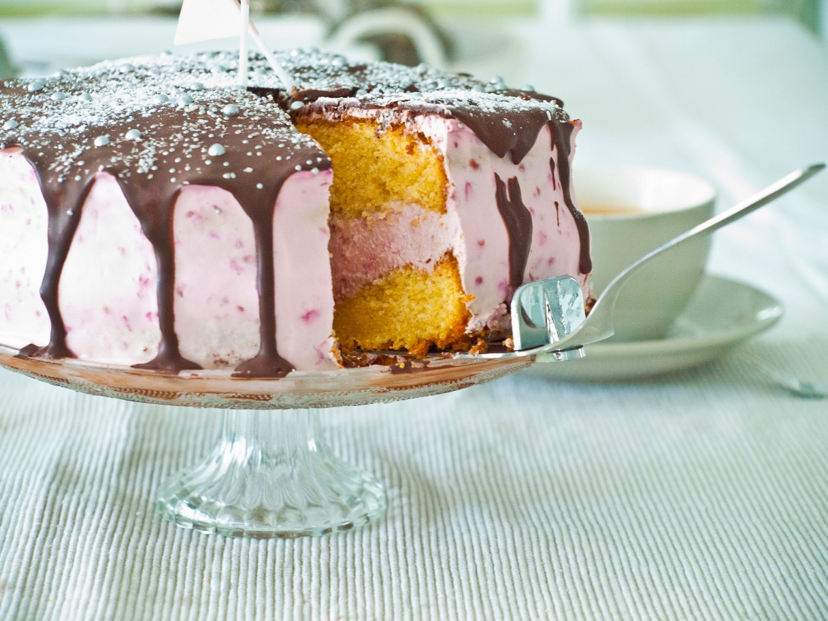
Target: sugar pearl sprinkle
{"x": 133, "y": 134}
{"x": 216, "y": 150}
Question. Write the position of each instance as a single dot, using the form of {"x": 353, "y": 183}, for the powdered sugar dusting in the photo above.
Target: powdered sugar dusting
{"x": 115, "y": 101}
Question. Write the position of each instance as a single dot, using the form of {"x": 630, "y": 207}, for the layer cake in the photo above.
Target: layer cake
{"x": 153, "y": 214}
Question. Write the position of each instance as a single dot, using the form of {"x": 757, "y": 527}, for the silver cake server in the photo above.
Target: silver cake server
{"x": 548, "y": 318}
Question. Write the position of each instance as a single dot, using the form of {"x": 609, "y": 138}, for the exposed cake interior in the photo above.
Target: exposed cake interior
{"x": 388, "y": 206}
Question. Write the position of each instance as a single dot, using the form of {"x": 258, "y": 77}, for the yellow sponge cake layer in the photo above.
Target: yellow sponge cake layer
{"x": 409, "y": 309}
{"x": 378, "y": 168}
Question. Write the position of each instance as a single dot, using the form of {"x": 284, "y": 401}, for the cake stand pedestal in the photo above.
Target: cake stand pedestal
{"x": 270, "y": 474}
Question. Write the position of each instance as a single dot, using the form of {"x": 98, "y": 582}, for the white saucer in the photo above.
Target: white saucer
{"x": 722, "y": 314}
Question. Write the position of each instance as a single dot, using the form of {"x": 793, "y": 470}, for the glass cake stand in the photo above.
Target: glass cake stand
{"x": 270, "y": 474}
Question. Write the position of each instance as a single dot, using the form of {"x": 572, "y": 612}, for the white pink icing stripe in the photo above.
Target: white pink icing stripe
{"x": 23, "y": 246}
{"x": 107, "y": 287}
{"x": 364, "y": 251}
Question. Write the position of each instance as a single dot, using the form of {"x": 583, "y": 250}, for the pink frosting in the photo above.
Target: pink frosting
{"x": 217, "y": 304}
{"x": 107, "y": 291}
{"x": 304, "y": 308}
{"x": 483, "y": 251}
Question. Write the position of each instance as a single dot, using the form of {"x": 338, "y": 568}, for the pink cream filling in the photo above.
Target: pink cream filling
{"x": 365, "y": 250}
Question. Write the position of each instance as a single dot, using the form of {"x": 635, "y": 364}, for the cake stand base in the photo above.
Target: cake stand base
{"x": 271, "y": 474}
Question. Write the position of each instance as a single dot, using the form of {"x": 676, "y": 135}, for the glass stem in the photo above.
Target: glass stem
{"x": 271, "y": 474}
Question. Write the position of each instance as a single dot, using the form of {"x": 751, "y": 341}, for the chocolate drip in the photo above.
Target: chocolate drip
{"x": 518, "y": 221}
{"x": 534, "y": 96}
{"x": 561, "y": 137}
{"x": 267, "y": 362}
{"x": 552, "y": 168}
{"x": 514, "y": 133}
{"x": 153, "y": 205}
{"x": 64, "y": 203}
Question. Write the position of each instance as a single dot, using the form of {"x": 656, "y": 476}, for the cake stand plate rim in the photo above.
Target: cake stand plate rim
{"x": 316, "y": 389}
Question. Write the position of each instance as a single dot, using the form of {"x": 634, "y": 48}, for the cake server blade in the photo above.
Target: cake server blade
{"x": 547, "y": 311}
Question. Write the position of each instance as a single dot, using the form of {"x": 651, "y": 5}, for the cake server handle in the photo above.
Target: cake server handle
{"x": 598, "y": 325}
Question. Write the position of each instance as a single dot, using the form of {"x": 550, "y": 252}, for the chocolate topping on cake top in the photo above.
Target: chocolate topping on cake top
{"x": 160, "y": 123}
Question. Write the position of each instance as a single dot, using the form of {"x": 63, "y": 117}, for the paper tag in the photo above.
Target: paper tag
{"x": 203, "y": 20}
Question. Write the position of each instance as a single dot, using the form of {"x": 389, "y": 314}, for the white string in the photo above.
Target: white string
{"x": 245, "y": 19}
{"x": 254, "y": 34}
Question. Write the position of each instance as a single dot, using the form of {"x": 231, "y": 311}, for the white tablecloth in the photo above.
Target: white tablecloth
{"x": 699, "y": 495}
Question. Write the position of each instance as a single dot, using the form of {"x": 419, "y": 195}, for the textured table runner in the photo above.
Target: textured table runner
{"x": 701, "y": 496}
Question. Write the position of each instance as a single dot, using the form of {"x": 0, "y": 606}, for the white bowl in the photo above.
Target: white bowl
{"x": 632, "y": 210}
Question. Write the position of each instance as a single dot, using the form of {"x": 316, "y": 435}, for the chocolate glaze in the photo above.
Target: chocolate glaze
{"x": 153, "y": 205}
{"x": 312, "y": 94}
{"x": 518, "y": 221}
{"x": 179, "y": 106}
{"x": 514, "y": 134}
{"x": 507, "y": 121}
{"x": 268, "y": 362}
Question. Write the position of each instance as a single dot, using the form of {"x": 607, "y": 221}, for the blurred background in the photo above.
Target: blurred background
{"x": 39, "y": 36}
